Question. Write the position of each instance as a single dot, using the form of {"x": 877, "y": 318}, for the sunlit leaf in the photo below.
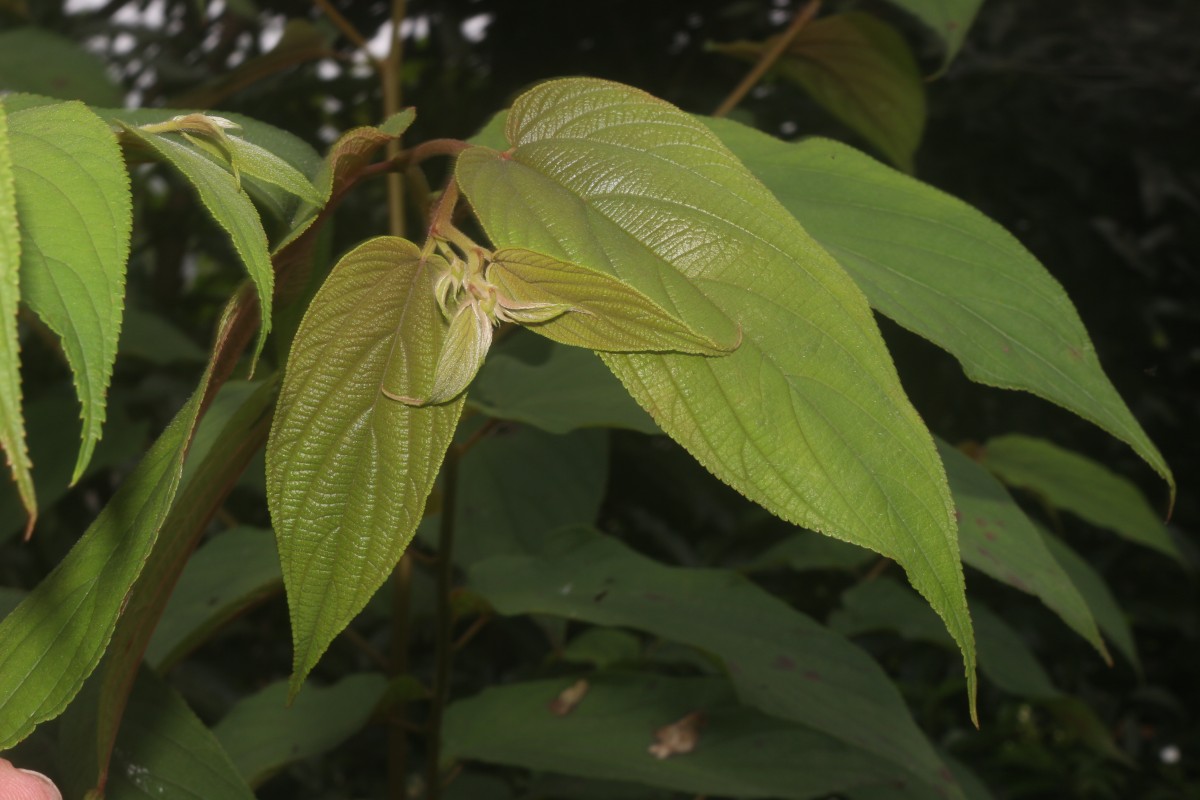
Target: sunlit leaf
{"x": 230, "y": 208}
{"x": 945, "y": 271}
{"x": 605, "y": 313}
{"x": 74, "y": 210}
{"x": 263, "y": 734}
{"x": 807, "y": 417}
{"x": 12, "y": 419}
{"x": 568, "y": 390}
{"x": 741, "y": 752}
{"x": 860, "y": 69}
{"x": 1075, "y": 483}
{"x": 779, "y": 660}
{"x": 349, "y": 469}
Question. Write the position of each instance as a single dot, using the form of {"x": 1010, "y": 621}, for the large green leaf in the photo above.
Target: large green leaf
{"x": 860, "y": 69}
{"x": 518, "y": 485}
{"x": 740, "y": 752}
{"x": 1108, "y": 612}
{"x": 997, "y": 538}
{"x": 779, "y": 660}
{"x": 56, "y": 637}
{"x": 163, "y": 751}
{"x": 1075, "y": 483}
{"x": 807, "y": 417}
{"x": 38, "y": 61}
{"x": 12, "y": 420}
{"x": 949, "y": 19}
{"x": 229, "y": 207}
{"x": 228, "y": 574}
{"x": 348, "y": 469}
{"x": 74, "y": 210}
{"x": 945, "y": 271}
{"x": 568, "y": 390}
{"x": 262, "y": 733}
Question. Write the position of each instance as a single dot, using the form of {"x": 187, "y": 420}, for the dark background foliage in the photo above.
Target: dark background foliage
{"x": 1073, "y": 123}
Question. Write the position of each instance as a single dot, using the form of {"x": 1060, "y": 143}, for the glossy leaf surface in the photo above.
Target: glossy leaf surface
{"x": 605, "y": 313}
{"x": 12, "y": 418}
{"x": 946, "y": 272}
{"x": 1075, "y": 483}
{"x": 74, "y": 211}
{"x": 998, "y": 539}
{"x": 807, "y": 417}
{"x": 740, "y": 753}
{"x": 779, "y": 660}
{"x": 570, "y": 389}
{"x": 229, "y": 207}
{"x": 263, "y": 734}
{"x": 348, "y": 469}
{"x": 859, "y": 69}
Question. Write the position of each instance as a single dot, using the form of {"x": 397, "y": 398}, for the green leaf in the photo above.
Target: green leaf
{"x": 467, "y": 343}
{"x": 348, "y": 469}
{"x": 805, "y": 550}
{"x": 263, "y": 733}
{"x": 859, "y": 69}
{"x": 602, "y": 647}
{"x": 232, "y": 572}
{"x": 949, "y": 19}
{"x": 148, "y": 336}
{"x": 38, "y": 61}
{"x": 259, "y": 162}
{"x": 740, "y": 752}
{"x": 973, "y": 788}
{"x": 1109, "y": 615}
{"x": 997, "y": 538}
{"x": 946, "y": 272}
{"x": 570, "y": 389}
{"x": 229, "y": 207}
{"x": 605, "y": 313}
{"x": 780, "y": 661}
{"x": 12, "y": 421}
{"x": 57, "y": 636}
{"x": 1004, "y": 658}
{"x": 163, "y": 750}
{"x": 518, "y": 485}
{"x": 807, "y": 417}
{"x": 1077, "y": 484}
{"x": 74, "y": 210}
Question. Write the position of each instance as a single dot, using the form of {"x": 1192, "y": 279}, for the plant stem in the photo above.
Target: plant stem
{"x": 444, "y": 641}
{"x": 348, "y": 30}
{"x": 401, "y": 632}
{"x": 392, "y": 96}
{"x": 768, "y": 59}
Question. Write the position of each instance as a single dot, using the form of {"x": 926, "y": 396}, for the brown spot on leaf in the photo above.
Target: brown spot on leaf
{"x": 812, "y": 675}
{"x": 1075, "y": 353}
{"x": 568, "y": 698}
{"x": 679, "y": 737}
{"x": 991, "y": 537}
{"x": 785, "y": 662}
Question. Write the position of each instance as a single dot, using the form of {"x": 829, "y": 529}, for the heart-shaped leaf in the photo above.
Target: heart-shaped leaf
{"x": 348, "y": 468}
{"x": 807, "y": 417}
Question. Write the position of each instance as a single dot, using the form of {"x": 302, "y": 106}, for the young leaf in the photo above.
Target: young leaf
{"x": 74, "y": 211}
{"x": 229, "y": 207}
{"x": 741, "y": 752}
{"x": 348, "y": 469}
{"x": 860, "y": 69}
{"x": 997, "y": 538}
{"x": 263, "y": 734}
{"x": 807, "y": 417}
{"x": 946, "y": 272}
{"x": 12, "y": 420}
{"x": 949, "y": 19}
{"x": 779, "y": 660}
{"x": 467, "y": 343}
{"x": 247, "y": 158}
{"x": 1075, "y": 483}
{"x": 605, "y": 313}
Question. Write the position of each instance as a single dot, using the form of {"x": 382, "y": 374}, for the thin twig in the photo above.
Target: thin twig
{"x": 392, "y": 97}
{"x": 369, "y": 650}
{"x": 768, "y": 59}
{"x": 349, "y": 31}
{"x": 472, "y": 630}
{"x": 444, "y": 642}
